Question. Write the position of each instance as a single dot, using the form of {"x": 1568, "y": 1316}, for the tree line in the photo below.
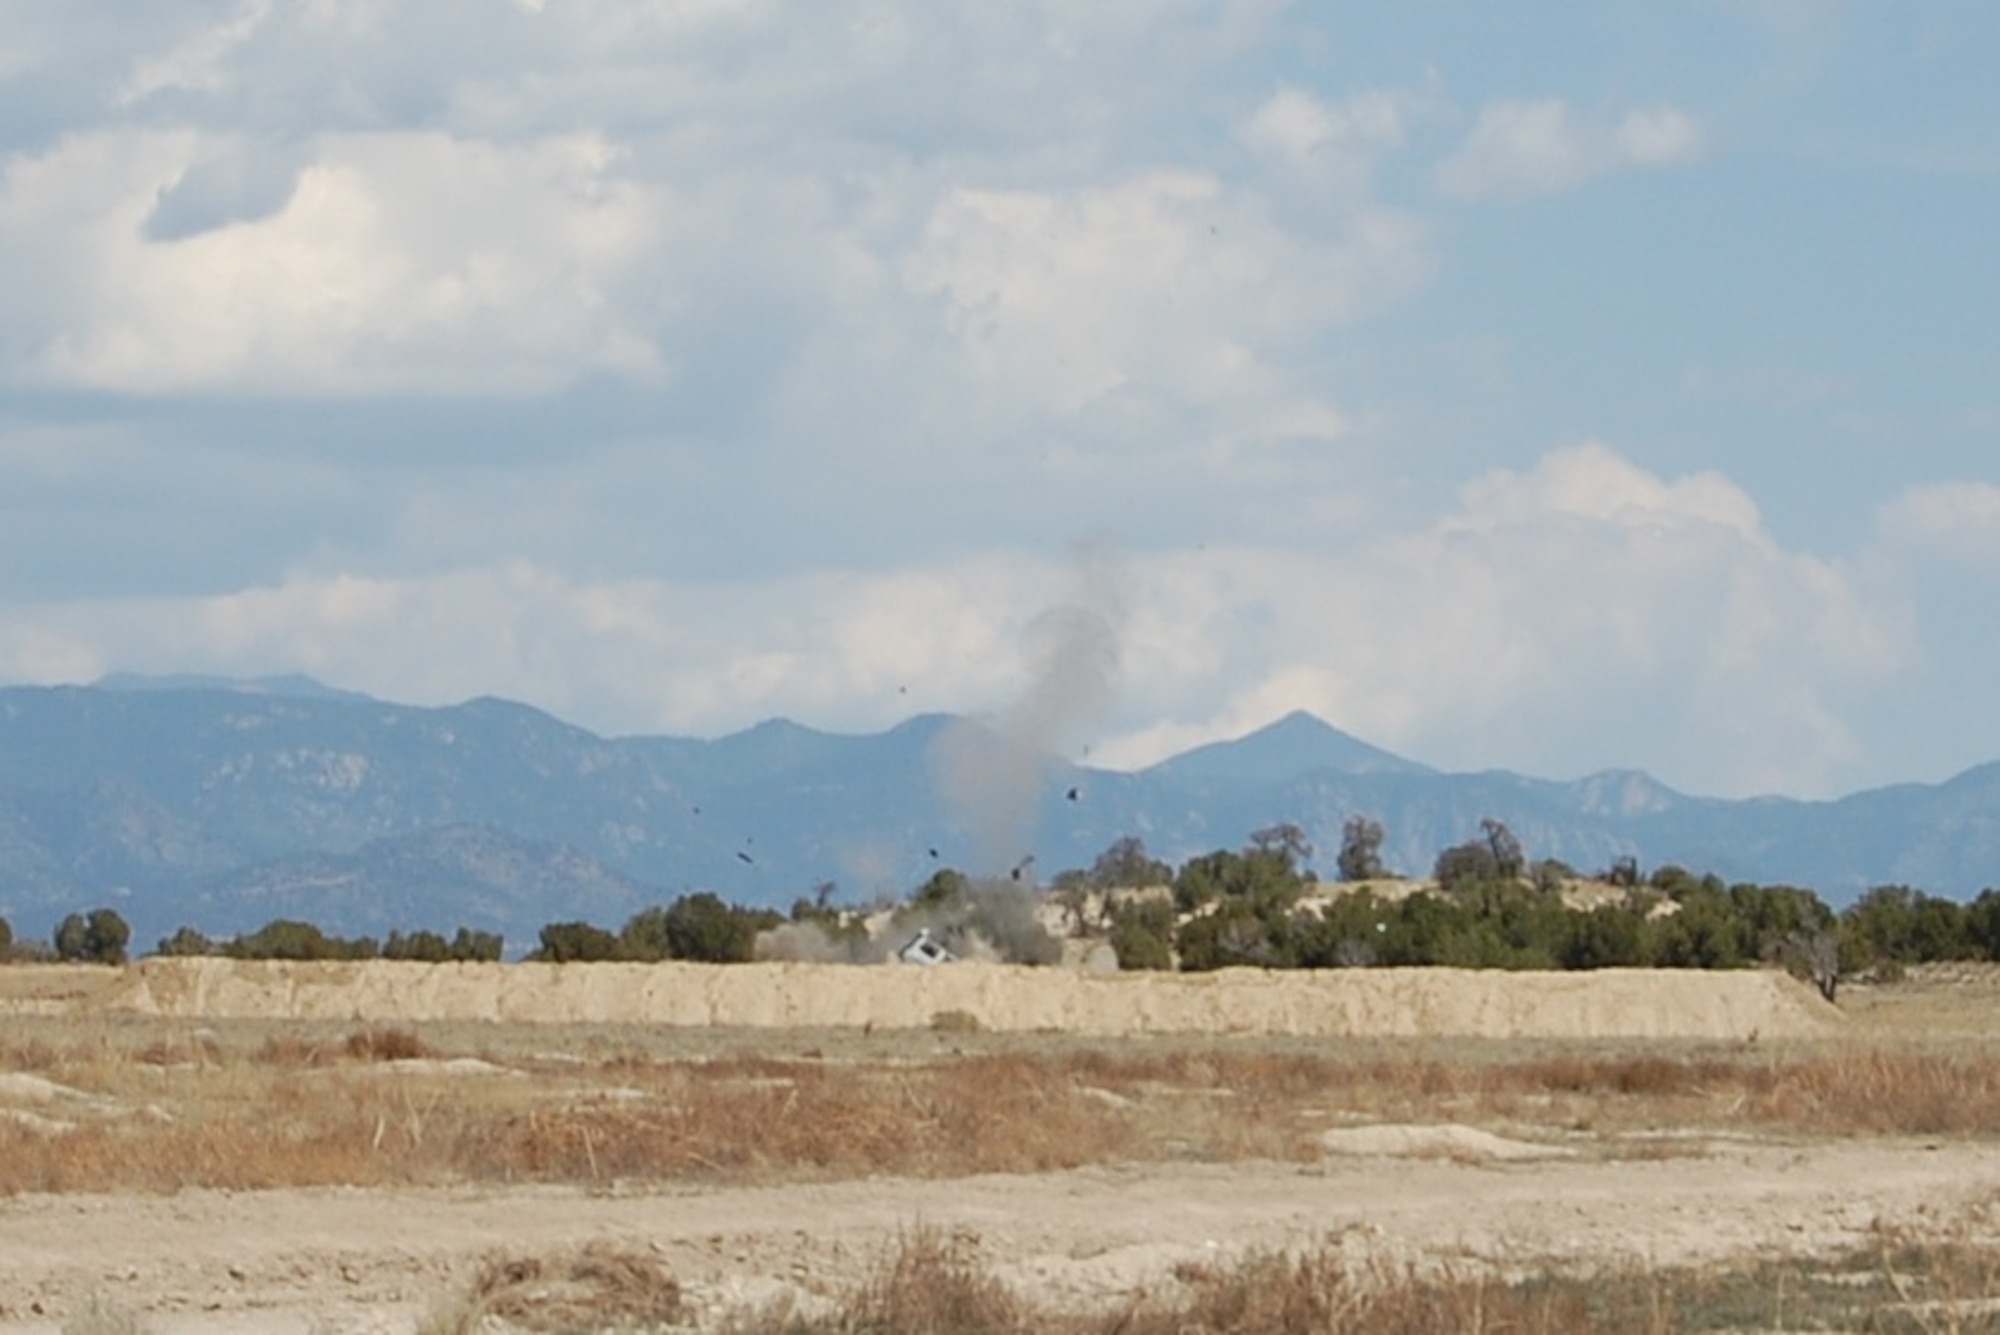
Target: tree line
{"x": 694, "y": 927}
{"x": 1486, "y": 905}
{"x": 102, "y": 936}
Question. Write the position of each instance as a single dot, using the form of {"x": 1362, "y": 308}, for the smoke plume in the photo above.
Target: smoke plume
{"x": 993, "y": 769}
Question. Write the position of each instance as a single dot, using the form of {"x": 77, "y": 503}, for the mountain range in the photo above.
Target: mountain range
{"x": 224, "y": 804}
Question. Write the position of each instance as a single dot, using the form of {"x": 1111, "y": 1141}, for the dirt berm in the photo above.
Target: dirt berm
{"x": 1384, "y": 1003}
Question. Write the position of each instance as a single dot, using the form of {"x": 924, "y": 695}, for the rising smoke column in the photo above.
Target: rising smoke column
{"x": 992, "y": 768}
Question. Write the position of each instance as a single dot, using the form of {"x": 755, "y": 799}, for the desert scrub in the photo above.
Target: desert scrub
{"x": 316, "y": 1108}
{"x": 599, "y": 1287}
{"x": 1900, "y": 1282}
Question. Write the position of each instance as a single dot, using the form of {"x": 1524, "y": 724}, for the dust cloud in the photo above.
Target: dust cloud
{"x": 993, "y": 768}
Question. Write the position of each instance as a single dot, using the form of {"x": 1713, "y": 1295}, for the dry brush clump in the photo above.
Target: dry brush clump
{"x": 1876, "y": 1091}
{"x": 385, "y": 1045}
{"x": 931, "y": 1284}
{"x": 766, "y": 1120}
{"x": 599, "y": 1287}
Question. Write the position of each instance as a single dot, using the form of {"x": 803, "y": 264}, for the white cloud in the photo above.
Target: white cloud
{"x": 1957, "y": 521}
{"x": 195, "y": 63}
{"x": 623, "y": 656}
{"x": 1333, "y": 146}
{"x": 1581, "y": 614}
{"x": 1594, "y": 483}
{"x": 1169, "y": 281}
{"x": 805, "y": 322}
{"x": 399, "y": 263}
{"x": 1519, "y": 150}
{"x": 505, "y": 206}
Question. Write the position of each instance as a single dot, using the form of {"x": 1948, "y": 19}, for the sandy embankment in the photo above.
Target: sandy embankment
{"x": 1382, "y": 1003}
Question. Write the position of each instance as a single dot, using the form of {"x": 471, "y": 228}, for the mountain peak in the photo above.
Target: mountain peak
{"x": 1299, "y": 743}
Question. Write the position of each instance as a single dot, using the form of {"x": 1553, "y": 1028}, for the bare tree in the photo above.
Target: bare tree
{"x": 1508, "y": 858}
{"x": 1815, "y": 952}
{"x": 1126, "y": 864}
{"x": 1283, "y": 838}
{"x": 1361, "y": 849}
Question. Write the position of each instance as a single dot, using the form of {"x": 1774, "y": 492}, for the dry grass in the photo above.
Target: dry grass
{"x": 601, "y": 1287}
{"x": 245, "y": 1105}
{"x": 385, "y": 1045}
{"x": 932, "y": 1285}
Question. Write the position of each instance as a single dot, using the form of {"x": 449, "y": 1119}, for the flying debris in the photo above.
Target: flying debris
{"x": 745, "y": 858}
{"x": 1021, "y": 866}
{"x": 1072, "y": 794}
{"x": 934, "y": 854}
{"x": 925, "y": 949}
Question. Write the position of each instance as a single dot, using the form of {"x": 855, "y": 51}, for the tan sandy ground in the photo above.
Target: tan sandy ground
{"x": 349, "y": 1261}
{"x": 339, "y": 1260}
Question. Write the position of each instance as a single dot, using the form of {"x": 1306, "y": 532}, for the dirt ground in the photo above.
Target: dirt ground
{"x": 338, "y": 1260}
{"x": 357, "y": 1261}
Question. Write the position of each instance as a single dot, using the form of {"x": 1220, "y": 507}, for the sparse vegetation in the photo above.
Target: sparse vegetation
{"x": 933, "y": 1283}
{"x": 600, "y": 1287}
{"x": 243, "y": 1104}
{"x": 294, "y": 1105}
{"x": 290, "y": 939}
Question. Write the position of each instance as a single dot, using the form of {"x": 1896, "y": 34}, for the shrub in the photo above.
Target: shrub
{"x": 185, "y": 941}
{"x": 603, "y": 1286}
{"x": 482, "y": 946}
{"x": 289, "y": 939}
{"x": 568, "y": 942}
{"x": 428, "y": 947}
{"x": 697, "y": 927}
{"x": 1265, "y": 878}
{"x": 1895, "y": 924}
{"x": 935, "y": 1283}
{"x": 1142, "y": 934}
{"x": 99, "y": 938}
{"x": 1610, "y": 936}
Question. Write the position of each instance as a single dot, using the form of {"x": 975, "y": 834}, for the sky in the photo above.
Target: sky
{"x": 1536, "y": 386}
